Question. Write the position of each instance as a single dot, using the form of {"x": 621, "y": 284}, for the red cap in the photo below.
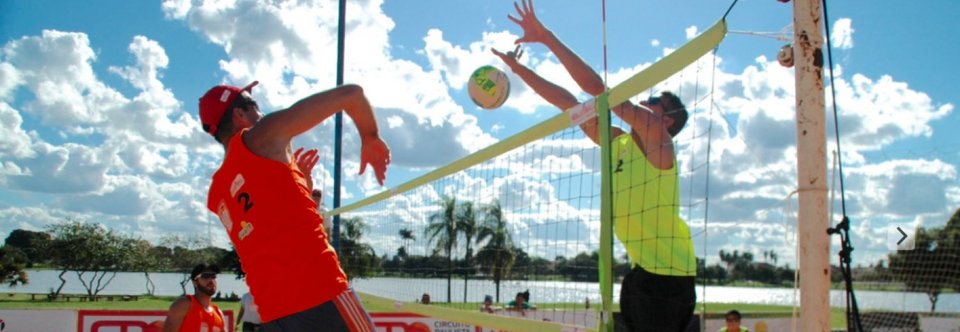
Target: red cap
{"x": 215, "y": 102}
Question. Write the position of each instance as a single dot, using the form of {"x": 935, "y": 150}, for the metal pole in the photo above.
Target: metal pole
{"x": 338, "y": 128}
{"x": 811, "y": 167}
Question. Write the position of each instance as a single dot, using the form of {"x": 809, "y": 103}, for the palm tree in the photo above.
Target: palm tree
{"x": 442, "y": 230}
{"x": 467, "y": 224}
{"x": 358, "y": 259}
{"x": 406, "y": 235}
{"x": 496, "y": 255}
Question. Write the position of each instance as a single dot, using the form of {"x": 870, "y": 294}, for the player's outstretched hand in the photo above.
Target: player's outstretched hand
{"x": 306, "y": 161}
{"x": 533, "y": 29}
{"x": 374, "y": 151}
{"x": 510, "y": 58}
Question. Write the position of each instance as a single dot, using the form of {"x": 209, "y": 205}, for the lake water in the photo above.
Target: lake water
{"x": 41, "y": 281}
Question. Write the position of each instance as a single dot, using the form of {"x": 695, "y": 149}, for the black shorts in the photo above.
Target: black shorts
{"x": 250, "y": 327}
{"x": 652, "y": 302}
{"x": 343, "y": 313}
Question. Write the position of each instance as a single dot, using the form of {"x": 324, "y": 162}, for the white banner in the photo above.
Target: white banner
{"x": 408, "y": 322}
{"x": 38, "y": 320}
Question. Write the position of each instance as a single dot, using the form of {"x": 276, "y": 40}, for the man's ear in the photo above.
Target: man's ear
{"x": 237, "y": 114}
{"x": 668, "y": 121}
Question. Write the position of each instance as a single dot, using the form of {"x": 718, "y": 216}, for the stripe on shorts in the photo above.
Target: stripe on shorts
{"x": 352, "y": 312}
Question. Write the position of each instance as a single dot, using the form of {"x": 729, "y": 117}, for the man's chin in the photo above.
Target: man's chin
{"x": 207, "y": 291}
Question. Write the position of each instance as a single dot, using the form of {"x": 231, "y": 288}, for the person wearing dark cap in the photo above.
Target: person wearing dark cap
{"x": 732, "y": 322}
{"x": 197, "y": 313}
{"x": 487, "y": 305}
{"x": 264, "y": 204}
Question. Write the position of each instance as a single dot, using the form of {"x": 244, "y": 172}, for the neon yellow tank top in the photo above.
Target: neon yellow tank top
{"x": 646, "y": 212}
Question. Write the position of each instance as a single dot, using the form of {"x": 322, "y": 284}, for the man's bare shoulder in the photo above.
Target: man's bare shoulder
{"x": 264, "y": 142}
{"x": 180, "y": 304}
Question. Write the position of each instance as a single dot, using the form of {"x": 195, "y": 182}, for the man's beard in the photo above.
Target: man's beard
{"x": 206, "y": 290}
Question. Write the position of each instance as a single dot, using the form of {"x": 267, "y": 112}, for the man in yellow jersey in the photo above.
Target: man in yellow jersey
{"x": 196, "y": 313}
{"x": 263, "y": 200}
{"x": 658, "y": 294}
{"x": 732, "y": 323}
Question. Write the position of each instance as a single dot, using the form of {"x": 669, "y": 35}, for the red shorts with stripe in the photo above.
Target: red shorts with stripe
{"x": 343, "y": 313}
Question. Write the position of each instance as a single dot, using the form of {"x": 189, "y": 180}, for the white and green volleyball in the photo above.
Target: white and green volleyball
{"x": 488, "y": 87}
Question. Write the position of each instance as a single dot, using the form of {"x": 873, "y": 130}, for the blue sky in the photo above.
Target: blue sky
{"x": 98, "y": 102}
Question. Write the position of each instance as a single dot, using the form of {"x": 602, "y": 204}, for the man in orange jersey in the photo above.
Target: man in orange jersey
{"x": 196, "y": 313}
{"x": 264, "y": 203}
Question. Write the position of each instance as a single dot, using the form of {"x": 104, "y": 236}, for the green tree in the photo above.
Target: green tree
{"x": 442, "y": 231}
{"x": 12, "y": 262}
{"x": 583, "y": 267}
{"x": 925, "y": 268}
{"x": 468, "y": 226}
{"x": 358, "y": 259}
{"x": 32, "y": 244}
{"x": 950, "y": 240}
{"x": 143, "y": 258}
{"x": 230, "y": 261}
{"x": 90, "y": 250}
{"x": 407, "y": 236}
{"x": 186, "y": 251}
{"x": 496, "y": 255}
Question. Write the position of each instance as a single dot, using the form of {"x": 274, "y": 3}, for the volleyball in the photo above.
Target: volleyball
{"x": 489, "y": 87}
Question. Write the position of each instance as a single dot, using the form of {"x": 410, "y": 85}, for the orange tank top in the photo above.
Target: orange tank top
{"x": 273, "y": 223}
{"x": 200, "y": 320}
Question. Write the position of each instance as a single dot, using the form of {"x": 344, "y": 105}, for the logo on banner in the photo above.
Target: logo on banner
{"x": 134, "y": 320}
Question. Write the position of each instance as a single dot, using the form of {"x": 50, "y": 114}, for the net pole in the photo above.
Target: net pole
{"x": 606, "y": 215}
{"x": 338, "y": 127}
{"x": 811, "y": 167}
{"x": 606, "y": 194}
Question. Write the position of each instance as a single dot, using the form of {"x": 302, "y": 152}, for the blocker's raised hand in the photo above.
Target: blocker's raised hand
{"x": 511, "y": 59}
{"x": 533, "y": 29}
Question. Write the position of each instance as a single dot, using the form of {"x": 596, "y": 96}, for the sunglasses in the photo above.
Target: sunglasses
{"x": 659, "y": 101}
{"x": 207, "y": 275}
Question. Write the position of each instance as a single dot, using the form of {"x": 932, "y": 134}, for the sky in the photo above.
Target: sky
{"x": 99, "y": 102}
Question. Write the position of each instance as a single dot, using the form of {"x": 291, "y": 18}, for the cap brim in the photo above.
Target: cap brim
{"x": 250, "y": 86}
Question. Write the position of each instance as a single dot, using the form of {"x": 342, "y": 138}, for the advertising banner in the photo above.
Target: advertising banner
{"x": 131, "y": 320}
{"x": 408, "y": 322}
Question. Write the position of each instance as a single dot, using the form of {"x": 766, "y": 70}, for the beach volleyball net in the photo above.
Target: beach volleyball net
{"x": 527, "y": 219}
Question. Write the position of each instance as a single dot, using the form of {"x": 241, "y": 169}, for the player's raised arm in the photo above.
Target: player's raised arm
{"x": 552, "y": 93}
{"x": 274, "y": 132}
{"x": 535, "y": 32}
{"x": 310, "y": 111}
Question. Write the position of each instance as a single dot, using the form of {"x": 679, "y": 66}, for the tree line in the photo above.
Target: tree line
{"x": 96, "y": 253}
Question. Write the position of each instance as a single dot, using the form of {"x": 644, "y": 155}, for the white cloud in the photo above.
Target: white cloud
{"x": 842, "y": 34}
{"x": 691, "y": 31}
{"x": 9, "y": 79}
{"x": 655, "y": 42}
{"x": 14, "y": 141}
